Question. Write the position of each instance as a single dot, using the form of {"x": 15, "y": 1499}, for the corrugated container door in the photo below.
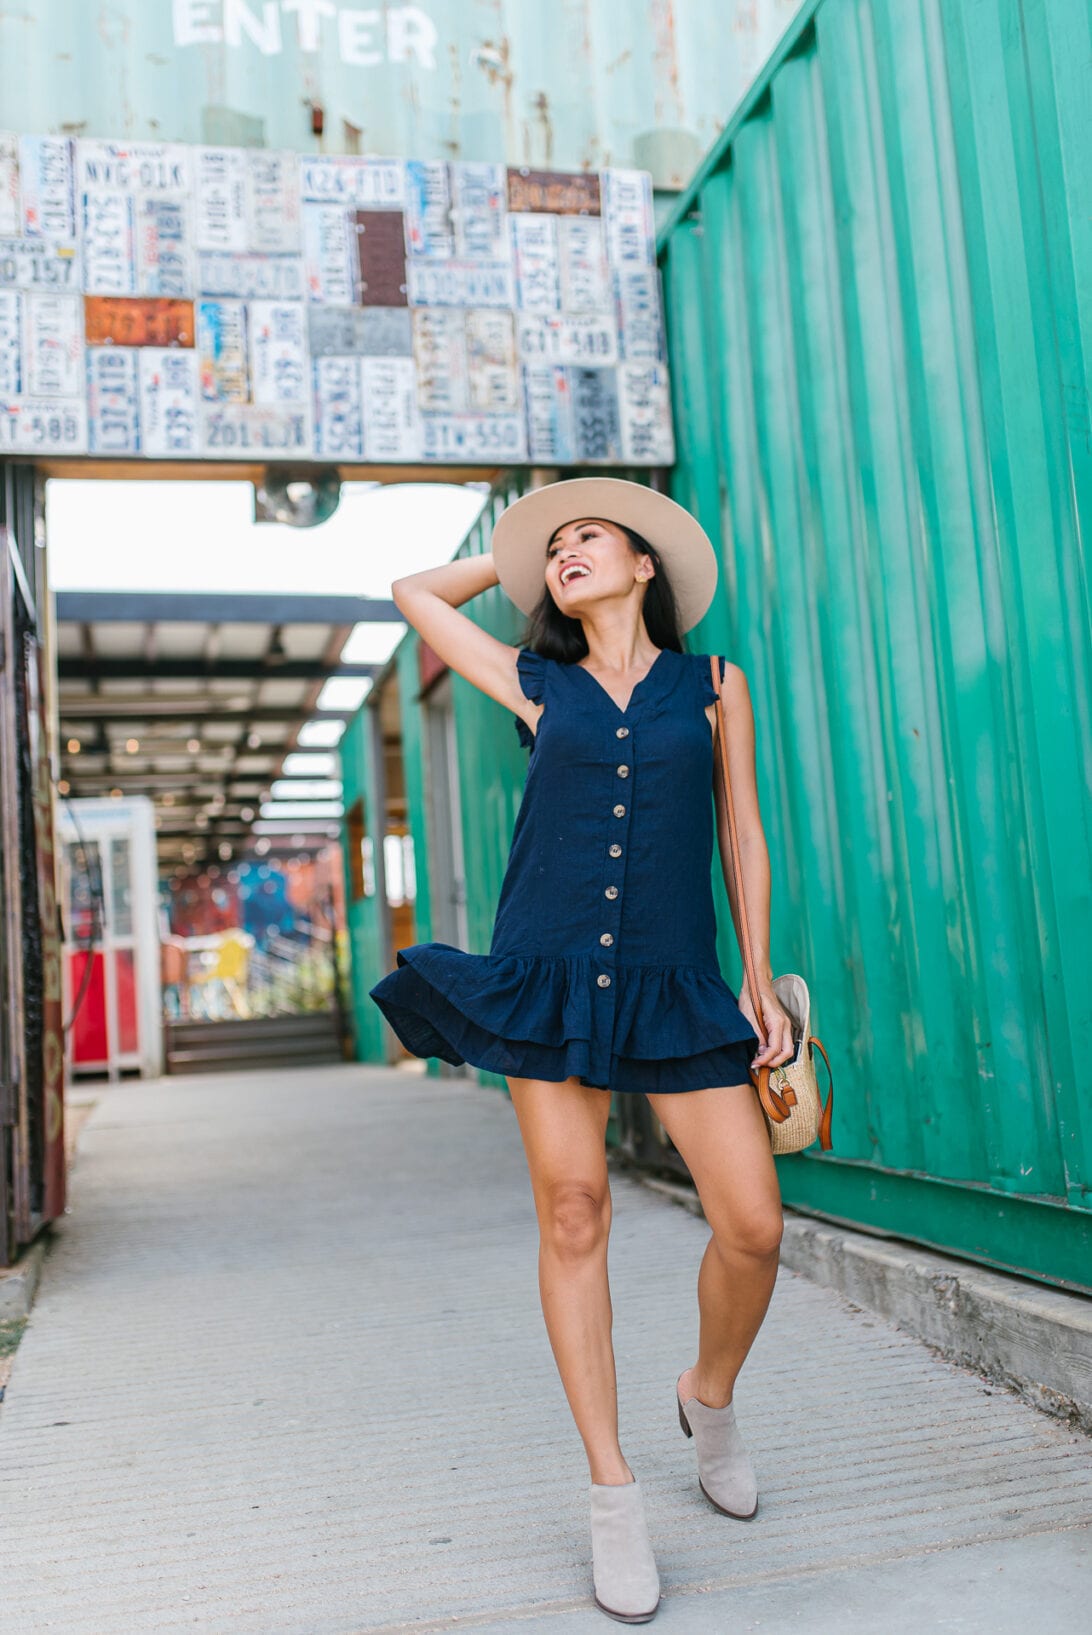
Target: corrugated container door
{"x": 879, "y": 299}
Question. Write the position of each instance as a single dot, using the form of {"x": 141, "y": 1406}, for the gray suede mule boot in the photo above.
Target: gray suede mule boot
{"x": 725, "y": 1473}
{"x": 627, "y": 1585}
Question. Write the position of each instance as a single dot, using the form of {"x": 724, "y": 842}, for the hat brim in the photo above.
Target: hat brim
{"x": 522, "y": 532}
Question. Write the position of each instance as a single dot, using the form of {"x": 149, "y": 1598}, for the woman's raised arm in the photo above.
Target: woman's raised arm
{"x": 429, "y": 601}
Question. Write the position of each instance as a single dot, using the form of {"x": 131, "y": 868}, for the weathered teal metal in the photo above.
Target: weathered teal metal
{"x": 491, "y": 771}
{"x": 579, "y": 84}
{"x": 365, "y": 913}
{"x": 879, "y": 296}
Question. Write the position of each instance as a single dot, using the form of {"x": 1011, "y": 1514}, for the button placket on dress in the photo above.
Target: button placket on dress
{"x": 620, "y": 757}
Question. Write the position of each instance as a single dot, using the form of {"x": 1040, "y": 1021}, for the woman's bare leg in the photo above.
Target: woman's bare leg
{"x": 563, "y": 1126}
{"x": 722, "y": 1136}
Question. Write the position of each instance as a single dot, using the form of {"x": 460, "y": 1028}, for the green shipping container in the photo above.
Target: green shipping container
{"x": 879, "y": 297}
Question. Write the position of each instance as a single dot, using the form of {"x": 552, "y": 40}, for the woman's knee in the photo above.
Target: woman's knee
{"x": 757, "y": 1234}
{"x": 575, "y": 1219}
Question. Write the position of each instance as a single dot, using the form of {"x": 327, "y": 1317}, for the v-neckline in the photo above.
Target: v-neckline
{"x": 623, "y": 709}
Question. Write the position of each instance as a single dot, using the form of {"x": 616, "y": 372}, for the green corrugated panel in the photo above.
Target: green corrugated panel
{"x": 492, "y": 762}
{"x": 492, "y": 768}
{"x": 407, "y": 661}
{"x": 879, "y": 301}
{"x": 367, "y": 936}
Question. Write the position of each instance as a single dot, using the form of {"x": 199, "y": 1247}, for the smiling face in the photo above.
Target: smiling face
{"x": 591, "y": 559}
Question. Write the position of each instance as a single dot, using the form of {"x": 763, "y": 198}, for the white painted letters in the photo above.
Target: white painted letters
{"x": 309, "y": 14}
{"x": 356, "y": 38}
{"x": 192, "y": 25}
{"x": 409, "y": 35}
{"x": 264, "y": 31}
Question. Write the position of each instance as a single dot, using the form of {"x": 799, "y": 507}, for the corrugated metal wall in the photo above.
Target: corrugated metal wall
{"x": 492, "y": 762}
{"x": 361, "y": 776}
{"x": 879, "y": 299}
{"x": 580, "y": 83}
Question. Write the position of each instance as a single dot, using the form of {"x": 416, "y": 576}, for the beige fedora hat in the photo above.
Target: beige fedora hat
{"x": 522, "y": 532}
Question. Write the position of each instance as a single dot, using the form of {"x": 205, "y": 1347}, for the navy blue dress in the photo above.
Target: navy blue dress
{"x": 603, "y": 962}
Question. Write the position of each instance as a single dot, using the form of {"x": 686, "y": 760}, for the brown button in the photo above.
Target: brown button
{"x": 621, "y": 732}
{"x": 623, "y": 771}
{"x": 611, "y": 892}
{"x": 606, "y": 939}
{"x": 616, "y": 850}
{"x": 603, "y": 980}
{"x": 619, "y": 811}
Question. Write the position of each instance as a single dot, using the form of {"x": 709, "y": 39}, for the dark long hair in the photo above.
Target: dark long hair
{"x": 557, "y": 636}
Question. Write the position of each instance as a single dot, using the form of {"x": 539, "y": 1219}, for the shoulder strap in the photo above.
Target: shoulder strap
{"x": 726, "y": 814}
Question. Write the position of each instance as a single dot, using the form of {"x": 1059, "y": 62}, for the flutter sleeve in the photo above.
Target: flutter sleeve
{"x": 531, "y": 668}
{"x": 709, "y": 692}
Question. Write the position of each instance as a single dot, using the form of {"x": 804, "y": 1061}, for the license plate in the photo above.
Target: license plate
{"x": 549, "y": 407}
{"x": 631, "y": 233}
{"x": 460, "y": 284}
{"x": 241, "y": 276}
{"x": 492, "y": 438}
{"x": 590, "y": 338}
{"x": 30, "y": 427}
{"x": 138, "y": 322}
{"x": 229, "y": 429}
{"x": 168, "y": 403}
{"x": 537, "y": 262}
{"x": 428, "y": 210}
{"x": 33, "y": 264}
{"x": 221, "y": 343}
{"x": 645, "y": 402}
{"x": 392, "y": 424}
{"x": 113, "y": 390}
{"x": 357, "y": 184}
{"x": 278, "y": 352}
{"x": 339, "y": 426}
{"x": 342, "y": 332}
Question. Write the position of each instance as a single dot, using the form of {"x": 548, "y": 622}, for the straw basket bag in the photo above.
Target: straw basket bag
{"x": 789, "y": 1094}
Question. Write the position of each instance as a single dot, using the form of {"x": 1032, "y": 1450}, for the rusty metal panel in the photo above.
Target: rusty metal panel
{"x": 878, "y": 315}
{"x": 573, "y": 86}
{"x": 115, "y": 321}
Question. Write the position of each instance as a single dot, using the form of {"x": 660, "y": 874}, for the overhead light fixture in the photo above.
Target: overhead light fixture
{"x": 294, "y": 809}
{"x": 73, "y": 746}
{"x": 307, "y": 789}
{"x": 193, "y": 745}
{"x": 344, "y": 693}
{"x": 309, "y": 766}
{"x": 372, "y": 641}
{"x": 320, "y": 734}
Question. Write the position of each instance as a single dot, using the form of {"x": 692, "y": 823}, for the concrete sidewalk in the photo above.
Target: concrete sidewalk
{"x": 286, "y": 1375}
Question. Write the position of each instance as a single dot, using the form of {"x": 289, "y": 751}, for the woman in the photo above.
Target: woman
{"x": 602, "y": 973}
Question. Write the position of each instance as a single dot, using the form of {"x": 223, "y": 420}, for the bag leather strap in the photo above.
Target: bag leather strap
{"x": 826, "y": 1140}
{"x": 773, "y": 1104}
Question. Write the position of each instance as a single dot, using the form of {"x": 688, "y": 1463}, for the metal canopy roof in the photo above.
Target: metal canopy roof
{"x": 195, "y": 700}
